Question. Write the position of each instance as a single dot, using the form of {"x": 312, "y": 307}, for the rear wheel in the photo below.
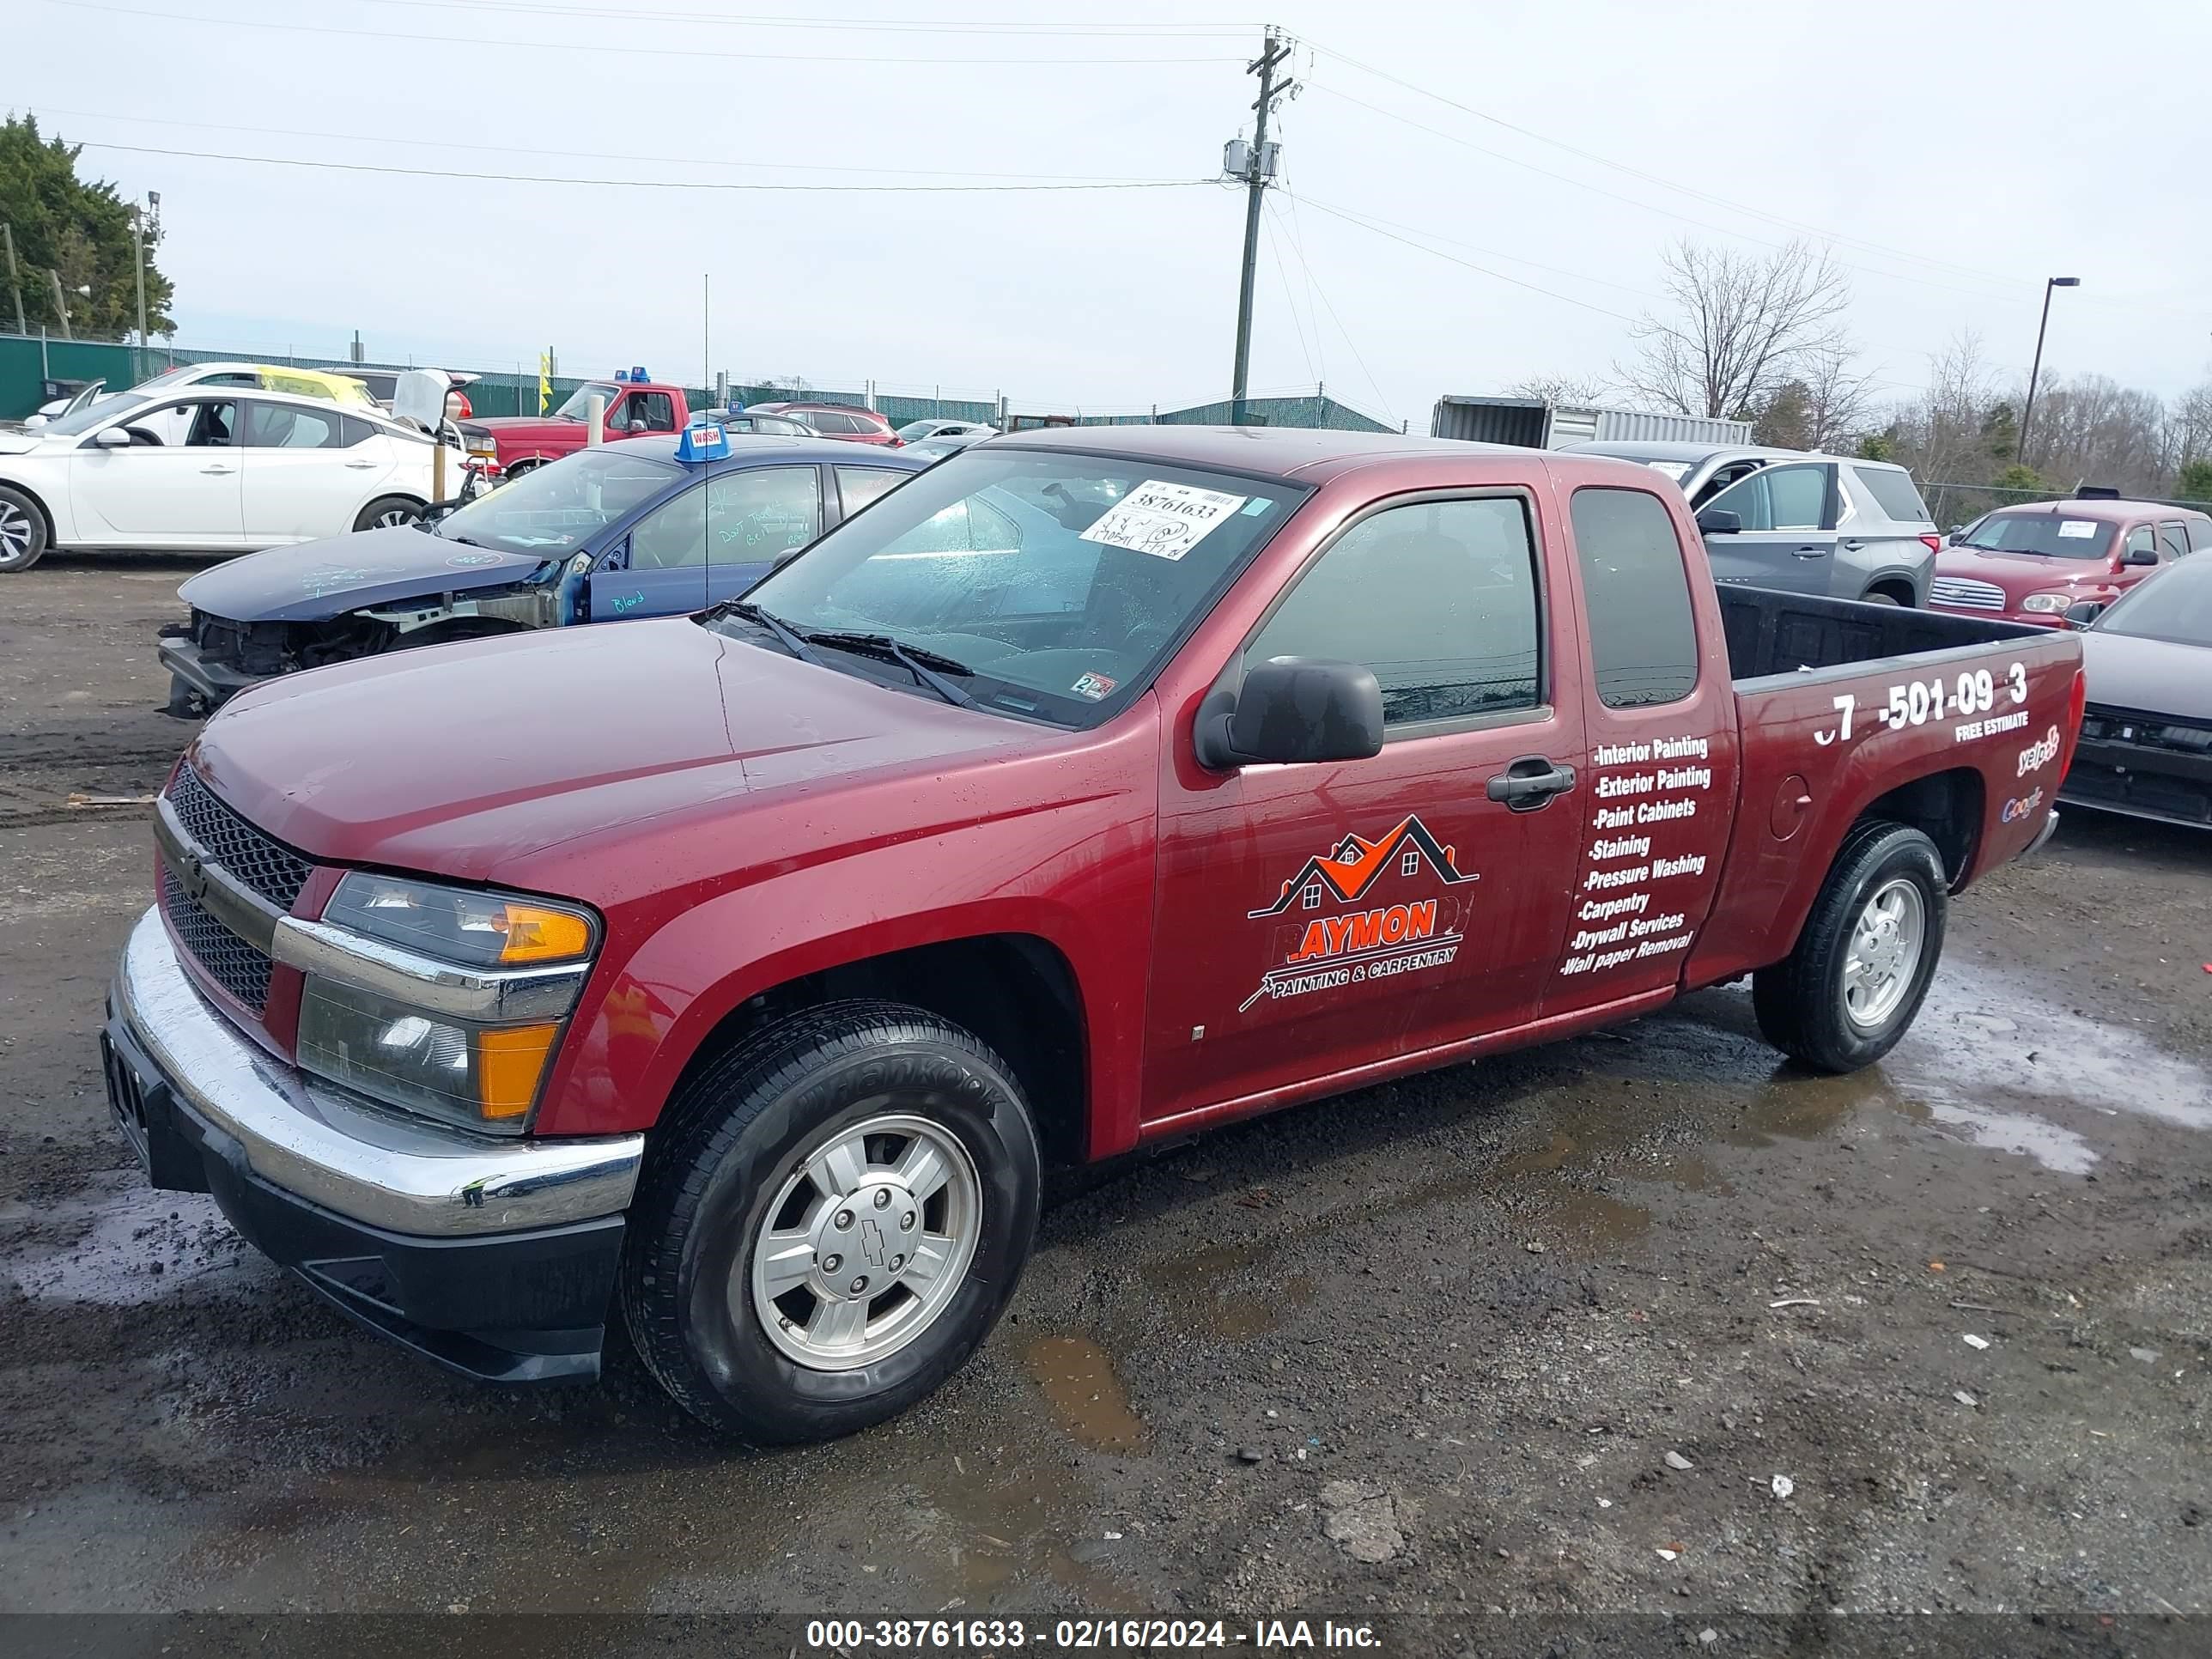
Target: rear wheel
{"x": 1851, "y": 988}
{"x": 388, "y": 510}
{"x": 836, "y": 1214}
{"x": 22, "y": 531}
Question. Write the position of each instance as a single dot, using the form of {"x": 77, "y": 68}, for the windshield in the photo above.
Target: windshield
{"x": 576, "y": 409}
{"x": 2176, "y": 607}
{"x": 914, "y": 429}
{"x": 121, "y": 406}
{"x": 2041, "y": 535}
{"x": 550, "y": 508}
{"x": 1061, "y": 581}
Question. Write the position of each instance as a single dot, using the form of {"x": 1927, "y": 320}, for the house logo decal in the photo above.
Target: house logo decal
{"x": 1340, "y": 945}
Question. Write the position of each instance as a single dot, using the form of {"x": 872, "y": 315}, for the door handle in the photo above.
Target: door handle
{"x": 1810, "y": 553}
{"x": 362, "y": 466}
{"x": 218, "y": 470}
{"x": 1853, "y": 547}
{"x": 1530, "y": 783}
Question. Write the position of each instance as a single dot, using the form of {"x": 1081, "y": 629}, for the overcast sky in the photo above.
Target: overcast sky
{"x": 1953, "y": 155}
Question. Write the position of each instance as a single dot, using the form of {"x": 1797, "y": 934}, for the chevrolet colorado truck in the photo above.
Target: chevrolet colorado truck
{"x": 736, "y": 975}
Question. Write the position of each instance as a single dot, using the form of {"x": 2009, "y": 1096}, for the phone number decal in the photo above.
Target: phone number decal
{"x": 1970, "y": 698}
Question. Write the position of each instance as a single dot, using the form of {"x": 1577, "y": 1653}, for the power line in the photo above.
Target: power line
{"x": 1274, "y": 246}
{"x": 639, "y": 184}
{"x": 1796, "y": 225}
{"x": 1377, "y": 229}
{"x": 600, "y": 48}
{"x": 840, "y": 25}
{"x": 1314, "y": 283}
{"x": 450, "y": 145}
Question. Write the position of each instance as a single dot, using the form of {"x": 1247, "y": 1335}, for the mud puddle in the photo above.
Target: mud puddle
{"x": 1086, "y": 1395}
{"x": 1217, "y": 1287}
{"x": 121, "y": 1245}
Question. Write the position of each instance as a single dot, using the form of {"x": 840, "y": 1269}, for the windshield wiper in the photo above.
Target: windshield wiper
{"x": 791, "y": 639}
{"x": 922, "y": 663}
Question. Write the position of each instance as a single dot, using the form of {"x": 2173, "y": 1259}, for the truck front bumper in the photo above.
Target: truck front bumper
{"x": 496, "y": 1258}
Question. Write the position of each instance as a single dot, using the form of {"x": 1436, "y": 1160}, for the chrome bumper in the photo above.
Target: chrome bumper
{"x": 359, "y": 1161}
{"x": 2050, "y": 828}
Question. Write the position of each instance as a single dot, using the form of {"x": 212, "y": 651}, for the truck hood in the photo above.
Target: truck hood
{"x": 2158, "y": 677}
{"x": 314, "y": 581}
{"x": 2019, "y": 573}
{"x": 529, "y": 429}
{"x": 466, "y": 759}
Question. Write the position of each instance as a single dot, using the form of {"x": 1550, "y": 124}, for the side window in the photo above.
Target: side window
{"x": 824, "y": 421}
{"x": 280, "y": 426}
{"x": 1643, "y": 639}
{"x": 2174, "y": 540}
{"x": 214, "y": 425}
{"x": 354, "y": 430}
{"x": 673, "y": 536}
{"x": 1799, "y": 495}
{"x": 1747, "y": 500}
{"x": 2139, "y": 541}
{"x": 1437, "y": 597}
{"x": 2200, "y": 534}
{"x": 761, "y": 515}
{"x": 859, "y": 485}
{"x": 658, "y": 408}
{"x": 1893, "y": 491}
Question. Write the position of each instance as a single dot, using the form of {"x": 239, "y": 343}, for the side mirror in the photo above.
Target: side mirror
{"x": 1295, "y": 709}
{"x": 2141, "y": 555}
{"x": 32, "y": 422}
{"x": 1954, "y": 532}
{"x": 1719, "y": 521}
{"x": 2084, "y": 613}
{"x": 111, "y": 437}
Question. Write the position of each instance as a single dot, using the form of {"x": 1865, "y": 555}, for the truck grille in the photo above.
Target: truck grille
{"x": 1965, "y": 594}
{"x": 229, "y": 961}
{"x": 269, "y": 867}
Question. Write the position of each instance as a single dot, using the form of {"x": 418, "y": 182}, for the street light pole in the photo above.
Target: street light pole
{"x": 2035, "y": 370}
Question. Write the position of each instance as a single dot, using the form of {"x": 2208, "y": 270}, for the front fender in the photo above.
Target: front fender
{"x": 1079, "y": 878}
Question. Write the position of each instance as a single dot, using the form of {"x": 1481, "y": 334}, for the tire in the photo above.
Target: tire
{"x": 22, "y": 532}
{"x": 1805, "y": 1004}
{"x": 520, "y": 469}
{"x": 1876, "y": 596}
{"x": 387, "y": 511}
{"x": 729, "y": 1166}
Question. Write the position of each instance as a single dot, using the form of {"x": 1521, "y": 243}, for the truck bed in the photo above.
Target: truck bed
{"x": 1771, "y": 633}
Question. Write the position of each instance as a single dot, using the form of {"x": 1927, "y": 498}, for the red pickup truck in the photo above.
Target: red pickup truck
{"x": 1090, "y": 788}
{"x": 508, "y": 446}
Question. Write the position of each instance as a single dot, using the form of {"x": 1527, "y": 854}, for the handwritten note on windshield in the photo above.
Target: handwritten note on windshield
{"x": 1162, "y": 519}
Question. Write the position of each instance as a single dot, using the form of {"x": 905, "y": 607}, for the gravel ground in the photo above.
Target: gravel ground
{"x": 1646, "y": 1323}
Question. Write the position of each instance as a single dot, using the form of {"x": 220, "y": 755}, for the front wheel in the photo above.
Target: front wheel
{"x": 387, "y": 512}
{"x": 1852, "y": 986}
{"x": 22, "y": 532}
{"x": 836, "y": 1215}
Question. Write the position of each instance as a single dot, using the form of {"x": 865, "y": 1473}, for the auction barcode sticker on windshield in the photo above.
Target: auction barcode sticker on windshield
{"x": 2077, "y": 529}
{"x": 1162, "y": 519}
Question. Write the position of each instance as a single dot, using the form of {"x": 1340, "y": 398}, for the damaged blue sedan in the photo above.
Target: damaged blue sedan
{"x": 654, "y": 526}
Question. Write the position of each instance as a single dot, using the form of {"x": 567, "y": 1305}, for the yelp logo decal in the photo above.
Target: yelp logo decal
{"x": 2039, "y": 754}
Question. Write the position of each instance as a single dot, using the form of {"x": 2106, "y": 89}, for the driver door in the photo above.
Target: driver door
{"x": 179, "y": 483}
{"x": 1788, "y": 535}
{"x": 661, "y": 568}
{"x": 754, "y": 520}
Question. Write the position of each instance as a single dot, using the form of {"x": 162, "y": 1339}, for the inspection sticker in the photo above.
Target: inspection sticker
{"x": 2077, "y": 529}
{"x": 1162, "y": 519}
{"x": 1094, "y": 686}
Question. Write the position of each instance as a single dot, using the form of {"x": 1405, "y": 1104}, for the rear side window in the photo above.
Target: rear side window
{"x": 859, "y": 485}
{"x": 1636, "y": 589}
{"x": 2200, "y": 533}
{"x": 1437, "y": 597}
{"x": 822, "y": 420}
{"x": 1894, "y": 491}
{"x": 2174, "y": 540}
{"x": 355, "y": 431}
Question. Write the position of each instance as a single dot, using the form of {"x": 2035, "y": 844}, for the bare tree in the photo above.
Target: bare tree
{"x": 1839, "y": 407}
{"x": 1742, "y": 323}
{"x": 1571, "y": 390}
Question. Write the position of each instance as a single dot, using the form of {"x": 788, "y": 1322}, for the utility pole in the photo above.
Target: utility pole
{"x": 138, "y": 262}
{"x": 14, "y": 286}
{"x": 1258, "y": 171}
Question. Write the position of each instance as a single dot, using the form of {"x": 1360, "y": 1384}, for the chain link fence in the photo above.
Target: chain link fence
{"x": 1955, "y": 505}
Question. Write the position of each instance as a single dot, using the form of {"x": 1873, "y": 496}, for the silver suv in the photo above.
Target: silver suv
{"x": 1830, "y": 525}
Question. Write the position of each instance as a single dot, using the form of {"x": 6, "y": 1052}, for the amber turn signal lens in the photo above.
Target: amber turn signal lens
{"x": 510, "y": 1061}
{"x": 535, "y": 933}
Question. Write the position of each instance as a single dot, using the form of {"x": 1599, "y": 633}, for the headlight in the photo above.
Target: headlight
{"x": 438, "y": 999}
{"x": 2047, "y": 602}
